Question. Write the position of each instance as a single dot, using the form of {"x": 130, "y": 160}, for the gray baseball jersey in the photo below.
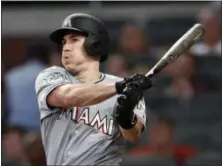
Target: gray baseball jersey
{"x": 86, "y": 135}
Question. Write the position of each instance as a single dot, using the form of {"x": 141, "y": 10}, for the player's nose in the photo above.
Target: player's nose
{"x": 66, "y": 48}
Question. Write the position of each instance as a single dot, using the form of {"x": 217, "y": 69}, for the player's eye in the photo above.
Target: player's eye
{"x": 63, "y": 42}
{"x": 74, "y": 39}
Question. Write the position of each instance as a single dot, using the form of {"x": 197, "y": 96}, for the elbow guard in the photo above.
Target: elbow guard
{"x": 125, "y": 116}
{"x": 124, "y": 108}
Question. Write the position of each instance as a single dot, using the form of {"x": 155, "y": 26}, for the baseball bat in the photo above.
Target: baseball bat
{"x": 180, "y": 47}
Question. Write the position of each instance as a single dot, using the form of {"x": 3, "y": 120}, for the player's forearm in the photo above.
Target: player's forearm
{"x": 87, "y": 94}
{"x": 132, "y": 134}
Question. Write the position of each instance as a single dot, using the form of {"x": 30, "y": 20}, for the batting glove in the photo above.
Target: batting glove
{"x": 124, "y": 108}
{"x": 139, "y": 80}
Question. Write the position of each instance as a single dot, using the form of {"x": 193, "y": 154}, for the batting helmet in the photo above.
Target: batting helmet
{"x": 97, "y": 38}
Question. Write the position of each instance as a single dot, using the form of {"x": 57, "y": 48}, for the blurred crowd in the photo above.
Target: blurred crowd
{"x": 183, "y": 106}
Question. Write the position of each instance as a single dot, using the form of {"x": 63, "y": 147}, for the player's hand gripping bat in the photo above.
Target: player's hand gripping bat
{"x": 181, "y": 46}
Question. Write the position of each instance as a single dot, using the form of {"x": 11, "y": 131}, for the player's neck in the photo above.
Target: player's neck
{"x": 89, "y": 73}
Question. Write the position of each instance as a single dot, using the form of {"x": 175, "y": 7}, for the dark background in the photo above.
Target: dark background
{"x": 184, "y": 112}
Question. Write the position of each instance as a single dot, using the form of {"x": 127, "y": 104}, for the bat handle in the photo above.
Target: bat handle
{"x": 150, "y": 74}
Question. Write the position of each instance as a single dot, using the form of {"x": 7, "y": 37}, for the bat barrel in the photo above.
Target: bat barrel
{"x": 181, "y": 45}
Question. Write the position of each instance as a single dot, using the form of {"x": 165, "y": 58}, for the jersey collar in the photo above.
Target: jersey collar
{"x": 101, "y": 78}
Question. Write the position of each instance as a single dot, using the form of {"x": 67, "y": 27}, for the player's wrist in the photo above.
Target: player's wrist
{"x": 127, "y": 122}
{"x": 130, "y": 123}
{"x": 125, "y": 116}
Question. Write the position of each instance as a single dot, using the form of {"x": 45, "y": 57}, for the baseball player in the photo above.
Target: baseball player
{"x": 86, "y": 115}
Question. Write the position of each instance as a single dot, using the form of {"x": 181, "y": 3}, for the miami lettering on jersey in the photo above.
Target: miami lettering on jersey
{"x": 103, "y": 124}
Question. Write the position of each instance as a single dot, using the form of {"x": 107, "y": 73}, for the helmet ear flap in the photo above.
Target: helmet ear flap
{"x": 93, "y": 45}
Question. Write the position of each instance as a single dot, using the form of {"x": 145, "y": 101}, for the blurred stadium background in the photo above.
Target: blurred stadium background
{"x": 184, "y": 109}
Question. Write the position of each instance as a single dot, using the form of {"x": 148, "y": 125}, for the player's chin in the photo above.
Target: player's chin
{"x": 69, "y": 67}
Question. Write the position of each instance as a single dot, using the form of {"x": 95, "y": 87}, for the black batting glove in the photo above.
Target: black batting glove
{"x": 138, "y": 79}
{"x": 124, "y": 108}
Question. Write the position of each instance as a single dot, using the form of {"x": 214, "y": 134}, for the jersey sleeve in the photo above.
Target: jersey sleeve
{"x": 45, "y": 83}
{"x": 140, "y": 111}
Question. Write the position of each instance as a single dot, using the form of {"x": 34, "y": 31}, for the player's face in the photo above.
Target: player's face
{"x": 73, "y": 54}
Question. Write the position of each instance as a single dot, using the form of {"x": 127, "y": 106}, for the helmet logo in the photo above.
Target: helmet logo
{"x": 67, "y": 23}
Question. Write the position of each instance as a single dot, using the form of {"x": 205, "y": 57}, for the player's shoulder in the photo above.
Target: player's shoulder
{"x": 51, "y": 73}
{"x": 112, "y": 78}
{"x": 53, "y": 69}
